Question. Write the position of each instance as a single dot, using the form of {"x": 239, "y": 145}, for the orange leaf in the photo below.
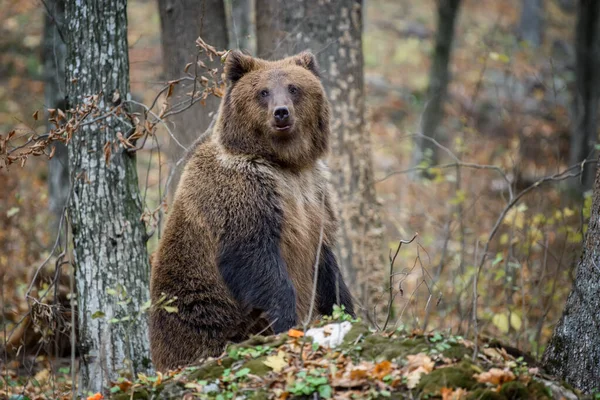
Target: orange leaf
{"x": 382, "y": 369}
{"x": 295, "y": 333}
{"x": 495, "y": 376}
{"x": 97, "y": 396}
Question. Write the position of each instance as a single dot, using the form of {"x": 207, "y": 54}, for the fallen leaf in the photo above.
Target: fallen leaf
{"x": 451, "y": 394}
{"x": 276, "y": 363}
{"x": 295, "y": 333}
{"x": 382, "y": 369}
{"x": 420, "y": 360}
{"x": 97, "y": 396}
{"x": 495, "y": 376}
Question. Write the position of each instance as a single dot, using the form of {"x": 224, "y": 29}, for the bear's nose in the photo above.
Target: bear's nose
{"x": 282, "y": 114}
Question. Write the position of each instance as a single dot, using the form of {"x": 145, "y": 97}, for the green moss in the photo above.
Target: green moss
{"x": 514, "y": 391}
{"x": 355, "y": 333}
{"x": 459, "y": 376}
{"x": 378, "y": 348}
{"x": 538, "y": 391}
{"x": 272, "y": 341}
{"x": 139, "y": 394}
{"x": 257, "y": 366}
{"x": 485, "y": 394}
{"x": 457, "y": 352}
{"x": 259, "y": 395}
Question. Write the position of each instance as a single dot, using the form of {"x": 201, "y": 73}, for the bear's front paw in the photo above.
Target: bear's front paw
{"x": 281, "y": 324}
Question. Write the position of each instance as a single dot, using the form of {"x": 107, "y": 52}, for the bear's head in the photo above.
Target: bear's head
{"x": 276, "y": 110}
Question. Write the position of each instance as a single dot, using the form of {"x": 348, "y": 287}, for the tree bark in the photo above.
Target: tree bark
{"x": 332, "y": 30}
{"x": 532, "y": 22}
{"x": 573, "y": 352}
{"x": 241, "y": 27}
{"x": 439, "y": 77}
{"x": 105, "y": 206}
{"x": 182, "y": 22}
{"x": 587, "y": 91}
{"x": 54, "y": 56}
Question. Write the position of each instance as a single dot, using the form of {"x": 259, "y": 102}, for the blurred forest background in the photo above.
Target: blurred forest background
{"x": 493, "y": 181}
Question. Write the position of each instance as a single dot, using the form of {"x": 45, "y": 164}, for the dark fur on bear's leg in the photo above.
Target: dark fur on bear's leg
{"x": 331, "y": 288}
{"x": 251, "y": 264}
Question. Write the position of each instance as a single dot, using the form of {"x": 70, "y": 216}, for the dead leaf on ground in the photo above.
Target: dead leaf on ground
{"x": 276, "y": 362}
{"x": 495, "y": 376}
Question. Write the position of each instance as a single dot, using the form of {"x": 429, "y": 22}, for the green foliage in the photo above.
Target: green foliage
{"x": 307, "y": 383}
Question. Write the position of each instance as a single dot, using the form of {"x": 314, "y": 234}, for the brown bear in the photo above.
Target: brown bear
{"x": 250, "y": 216}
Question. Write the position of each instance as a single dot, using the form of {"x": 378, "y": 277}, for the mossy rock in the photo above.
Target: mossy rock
{"x": 378, "y": 348}
{"x": 139, "y": 394}
{"x": 257, "y": 366}
{"x": 514, "y": 390}
{"x": 538, "y": 391}
{"x": 358, "y": 330}
{"x": 272, "y": 341}
{"x": 484, "y": 394}
{"x": 458, "y": 376}
{"x": 457, "y": 352}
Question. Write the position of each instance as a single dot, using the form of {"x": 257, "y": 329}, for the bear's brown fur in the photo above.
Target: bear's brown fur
{"x": 239, "y": 247}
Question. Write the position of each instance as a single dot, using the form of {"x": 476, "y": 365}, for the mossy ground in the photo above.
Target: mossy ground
{"x": 368, "y": 365}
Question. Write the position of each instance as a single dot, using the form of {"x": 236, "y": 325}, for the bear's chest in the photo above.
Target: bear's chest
{"x": 300, "y": 237}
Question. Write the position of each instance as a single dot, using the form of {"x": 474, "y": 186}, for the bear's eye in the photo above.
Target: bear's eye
{"x": 264, "y": 93}
{"x": 293, "y": 89}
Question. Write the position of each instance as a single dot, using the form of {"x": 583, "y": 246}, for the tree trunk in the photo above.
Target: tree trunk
{"x": 532, "y": 22}
{"x": 587, "y": 91}
{"x": 182, "y": 22}
{"x": 54, "y": 56}
{"x": 573, "y": 352}
{"x": 105, "y": 207}
{"x": 439, "y": 77}
{"x": 241, "y": 26}
{"x": 332, "y": 30}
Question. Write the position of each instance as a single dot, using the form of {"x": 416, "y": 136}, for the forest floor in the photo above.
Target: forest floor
{"x": 346, "y": 360}
{"x": 507, "y": 107}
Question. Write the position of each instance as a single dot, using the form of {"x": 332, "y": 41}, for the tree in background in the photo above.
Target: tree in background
{"x": 531, "y": 25}
{"x": 241, "y": 27}
{"x": 439, "y": 77}
{"x": 587, "y": 91}
{"x": 333, "y": 31}
{"x": 182, "y": 22}
{"x": 109, "y": 237}
{"x": 54, "y": 55}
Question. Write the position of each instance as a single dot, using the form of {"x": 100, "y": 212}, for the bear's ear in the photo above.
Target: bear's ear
{"x": 237, "y": 65}
{"x": 307, "y": 60}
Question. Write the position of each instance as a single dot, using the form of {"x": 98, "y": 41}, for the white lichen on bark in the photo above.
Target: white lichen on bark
{"x": 105, "y": 209}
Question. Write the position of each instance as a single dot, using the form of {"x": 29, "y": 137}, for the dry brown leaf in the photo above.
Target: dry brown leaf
{"x": 382, "y": 369}
{"x": 495, "y": 376}
{"x": 420, "y": 360}
{"x": 452, "y": 394}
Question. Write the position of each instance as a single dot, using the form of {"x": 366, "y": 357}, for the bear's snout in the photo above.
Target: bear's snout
{"x": 282, "y": 119}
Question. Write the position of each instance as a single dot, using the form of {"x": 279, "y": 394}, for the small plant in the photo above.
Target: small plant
{"x": 339, "y": 314}
{"x": 315, "y": 381}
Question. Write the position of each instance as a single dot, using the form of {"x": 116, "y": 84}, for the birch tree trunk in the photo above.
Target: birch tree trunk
{"x": 586, "y": 97}
{"x": 105, "y": 208}
{"x": 573, "y": 352}
{"x": 182, "y": 22}
{"x": 439, "y": 77}
{"x": 332, "y": 30}
{"x": 54, "y": 56}
{"x": 241, "y": 30}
